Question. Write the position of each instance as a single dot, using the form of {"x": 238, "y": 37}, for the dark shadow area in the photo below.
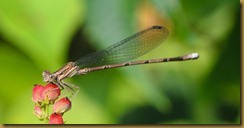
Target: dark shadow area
{"x": 227, "y": 71}
{"x": 150, "y": 115}
{"x": 80, "y": 45}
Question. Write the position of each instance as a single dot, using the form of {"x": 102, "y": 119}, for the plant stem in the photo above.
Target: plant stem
{"x": 46, "y": 112}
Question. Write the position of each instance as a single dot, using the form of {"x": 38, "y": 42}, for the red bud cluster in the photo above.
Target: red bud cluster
{"x": 43, "y": 97}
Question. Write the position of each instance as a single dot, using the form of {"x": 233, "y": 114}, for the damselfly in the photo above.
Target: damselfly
{"x": 115, "y": 56}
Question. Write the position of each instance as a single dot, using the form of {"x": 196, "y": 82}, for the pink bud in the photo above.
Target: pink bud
{"x": 56, "y": 118}
{"x": 37, "y": 93}
{"x": 62, "y": 105}
{"x": 38, "y": 112}
{"x": 51, "y": 92}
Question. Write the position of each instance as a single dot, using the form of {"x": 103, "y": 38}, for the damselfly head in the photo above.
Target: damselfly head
{"x": 47, "y": 76}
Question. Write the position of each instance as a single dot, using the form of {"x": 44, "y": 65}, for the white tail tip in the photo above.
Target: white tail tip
{"x": 191, "y": 56}
{"x": 194, "y": 55}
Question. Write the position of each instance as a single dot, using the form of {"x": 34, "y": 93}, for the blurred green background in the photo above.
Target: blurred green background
{"x": 42, "y": 35}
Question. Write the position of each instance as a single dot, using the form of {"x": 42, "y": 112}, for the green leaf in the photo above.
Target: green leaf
{"x": 41, "y": 29}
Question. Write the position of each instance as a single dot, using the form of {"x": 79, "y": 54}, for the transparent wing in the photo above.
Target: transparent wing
{"x": 127, "y": 49}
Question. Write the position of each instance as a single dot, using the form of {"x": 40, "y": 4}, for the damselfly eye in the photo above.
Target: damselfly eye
{"x": 46, "y": 76}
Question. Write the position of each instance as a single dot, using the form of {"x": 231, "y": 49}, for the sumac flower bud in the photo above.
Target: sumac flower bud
{"x": 51, "y": 92}
{"x": 56, "y": 118}
{"x": 37, "y": 94}
{"x": 38, "y": 112}
{"x": 62, "y": 105}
